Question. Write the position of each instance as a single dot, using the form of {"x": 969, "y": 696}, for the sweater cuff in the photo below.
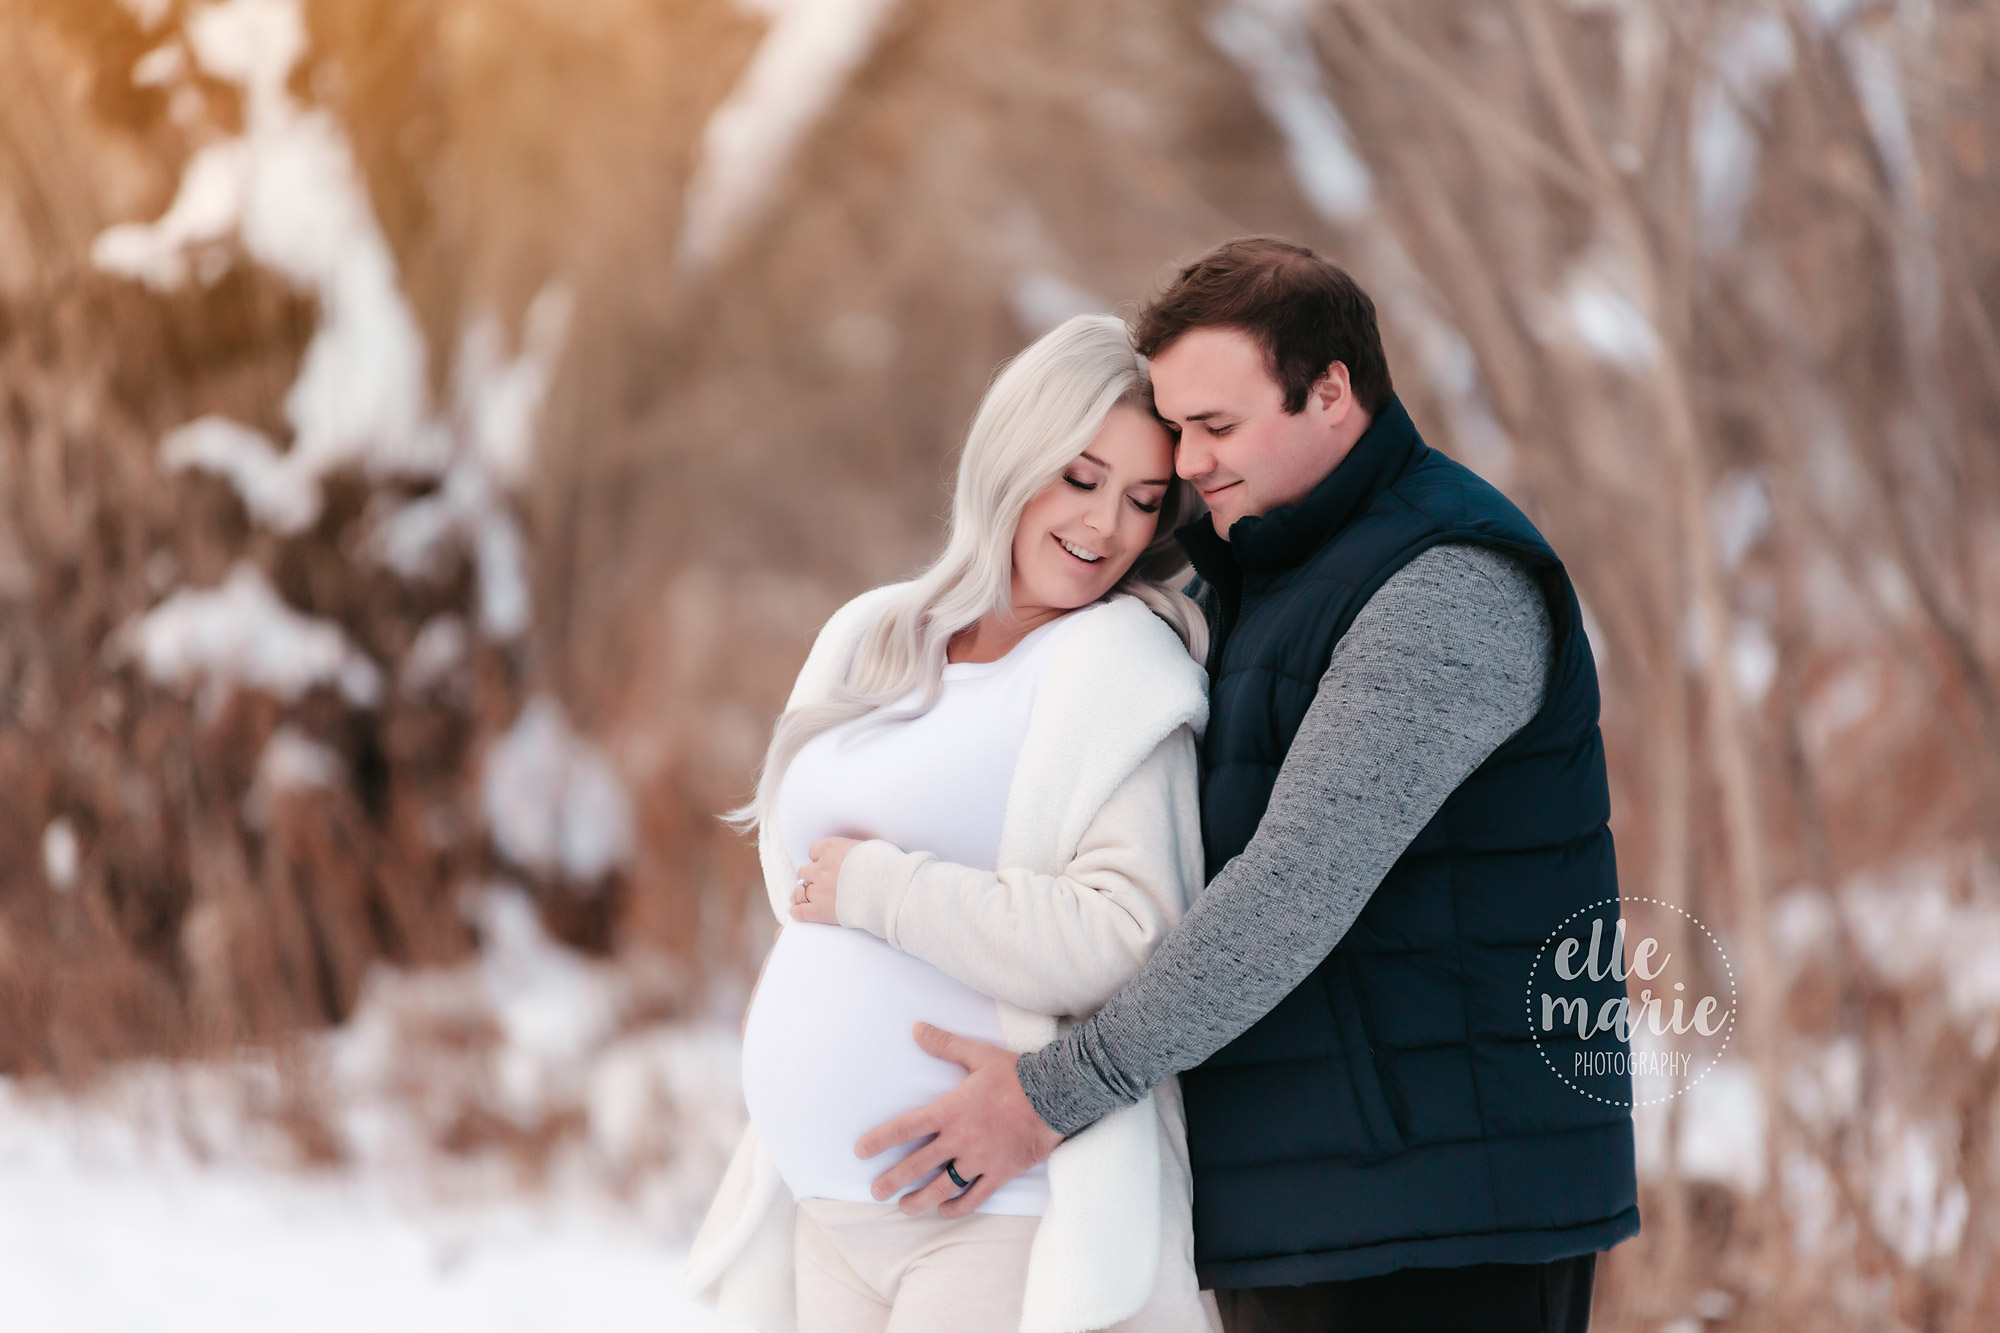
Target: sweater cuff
{"x": 874, "y": 879}
{"x": 1059, "y": 1087}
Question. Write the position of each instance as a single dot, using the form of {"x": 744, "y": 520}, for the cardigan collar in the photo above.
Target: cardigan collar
{"x": 1286, "y": 536}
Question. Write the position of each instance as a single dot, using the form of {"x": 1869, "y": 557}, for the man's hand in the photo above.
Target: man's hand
{"x": 985, "y": 1128}
{"x": 817, "y": 890}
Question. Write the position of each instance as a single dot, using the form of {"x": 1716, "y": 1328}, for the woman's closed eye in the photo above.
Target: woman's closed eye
{"x": 1082, "y": 485}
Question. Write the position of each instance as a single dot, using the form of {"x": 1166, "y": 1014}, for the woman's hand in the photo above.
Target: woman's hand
{"x": 819, "y": 881}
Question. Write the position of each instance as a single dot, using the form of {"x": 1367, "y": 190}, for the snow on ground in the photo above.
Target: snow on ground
{"x": 508, "y": 1146}
{"x": 98, "y": 1237}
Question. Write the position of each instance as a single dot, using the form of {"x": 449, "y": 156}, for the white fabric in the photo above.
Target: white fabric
{"x": 1062, "y": 944}
{"x": 935, "y": 783}
{"x": 1082, "y": 933}
{"x": 1115, "y": 1246}
{"x": 870, "y": 1268}
{"x": 827, "y": 1053}
{"x": 827, "y": 1056}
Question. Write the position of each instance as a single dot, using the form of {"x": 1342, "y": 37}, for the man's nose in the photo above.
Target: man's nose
{"x": 1191, "y": 461}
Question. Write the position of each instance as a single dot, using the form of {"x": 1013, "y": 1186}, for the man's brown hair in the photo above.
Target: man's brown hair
{"x": 1304, "y": 311}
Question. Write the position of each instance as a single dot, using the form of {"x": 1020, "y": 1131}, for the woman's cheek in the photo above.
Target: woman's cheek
{"x": 1139, "y": 533}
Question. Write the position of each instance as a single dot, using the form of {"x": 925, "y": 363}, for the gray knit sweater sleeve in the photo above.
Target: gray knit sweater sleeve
{"x": 1448, "y": 659}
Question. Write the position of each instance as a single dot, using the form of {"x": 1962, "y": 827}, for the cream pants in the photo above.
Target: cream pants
{"x": 869, "y": 1268}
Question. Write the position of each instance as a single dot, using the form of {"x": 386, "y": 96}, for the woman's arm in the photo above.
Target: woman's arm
{"x": 1052, "y": 944}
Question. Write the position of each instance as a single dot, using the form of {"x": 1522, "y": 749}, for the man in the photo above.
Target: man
{"x": 1403, "y": 795}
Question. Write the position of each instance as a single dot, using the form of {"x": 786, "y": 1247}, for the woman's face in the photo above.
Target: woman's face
{"x": 1082, "y": 532}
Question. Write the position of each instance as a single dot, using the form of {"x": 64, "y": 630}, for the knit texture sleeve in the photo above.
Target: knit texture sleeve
{"x": 1448, "y": 659}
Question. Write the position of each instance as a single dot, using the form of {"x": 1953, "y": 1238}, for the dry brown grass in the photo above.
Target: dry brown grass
{"x": 719, "y": 468}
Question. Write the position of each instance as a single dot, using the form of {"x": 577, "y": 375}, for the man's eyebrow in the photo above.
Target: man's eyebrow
{"x": 1209, "y": 415}
{"x": 1153, "y": 481}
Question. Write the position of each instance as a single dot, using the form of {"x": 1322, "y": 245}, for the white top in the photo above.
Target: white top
{"x": 828, "y": 1052}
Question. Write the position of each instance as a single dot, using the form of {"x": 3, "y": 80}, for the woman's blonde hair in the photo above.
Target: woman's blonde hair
{"x": 1043, "y": 409}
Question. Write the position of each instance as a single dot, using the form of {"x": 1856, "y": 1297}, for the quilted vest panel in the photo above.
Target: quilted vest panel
{"x": 1393, "y": 1110}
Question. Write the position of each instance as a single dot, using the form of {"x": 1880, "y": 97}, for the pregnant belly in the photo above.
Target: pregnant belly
{"x": 828, "y": 1055}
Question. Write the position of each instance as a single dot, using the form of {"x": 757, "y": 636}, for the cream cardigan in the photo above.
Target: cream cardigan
{"x": 1102, "y": 844}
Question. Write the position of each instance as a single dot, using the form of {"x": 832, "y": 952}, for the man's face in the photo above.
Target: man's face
{"x": 1238, "y": 445}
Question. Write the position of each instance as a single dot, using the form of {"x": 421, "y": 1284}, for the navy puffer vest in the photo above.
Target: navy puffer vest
{"x": 1393, "y": 1111}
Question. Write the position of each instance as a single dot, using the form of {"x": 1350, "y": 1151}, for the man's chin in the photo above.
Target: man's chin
{"x": 1224, "y": 508}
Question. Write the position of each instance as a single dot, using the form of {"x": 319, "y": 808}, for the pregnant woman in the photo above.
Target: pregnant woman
{"x": 979, "y": 811}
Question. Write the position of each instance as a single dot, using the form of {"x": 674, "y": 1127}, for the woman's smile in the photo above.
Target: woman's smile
{"x": 1099, "y": 513}
{"x": 1081, "y": 553}
{"x": 973, "y": 736}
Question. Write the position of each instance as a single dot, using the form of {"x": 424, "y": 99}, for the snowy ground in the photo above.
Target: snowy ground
{"x": 97, "y": 1244}
{"x": 340, "y": 1187}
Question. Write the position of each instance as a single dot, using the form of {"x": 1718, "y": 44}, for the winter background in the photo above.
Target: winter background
{"x": 431, "y": 431}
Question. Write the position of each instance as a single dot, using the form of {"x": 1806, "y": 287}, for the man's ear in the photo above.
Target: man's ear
{"x": 1334, "y": 392}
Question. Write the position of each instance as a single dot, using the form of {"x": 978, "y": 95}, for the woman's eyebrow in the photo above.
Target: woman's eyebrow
{"x": 1151, "y": 481}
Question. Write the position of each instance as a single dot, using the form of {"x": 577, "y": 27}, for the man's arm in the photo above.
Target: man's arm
{"x": 1448, "y": 659}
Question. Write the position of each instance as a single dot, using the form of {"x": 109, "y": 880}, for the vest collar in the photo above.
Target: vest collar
{"x": 1269, "y": 543}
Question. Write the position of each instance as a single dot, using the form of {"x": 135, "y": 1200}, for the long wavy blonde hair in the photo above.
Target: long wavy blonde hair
{"x": 1043, "y": 409}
